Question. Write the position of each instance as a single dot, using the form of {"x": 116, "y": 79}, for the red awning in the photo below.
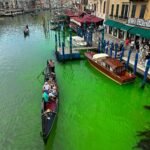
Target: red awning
{"x": 92, "y": 19}
{"x": 86, "y": 19}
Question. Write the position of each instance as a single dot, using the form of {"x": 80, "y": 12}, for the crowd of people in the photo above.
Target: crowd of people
{"x": 143, "y": 47}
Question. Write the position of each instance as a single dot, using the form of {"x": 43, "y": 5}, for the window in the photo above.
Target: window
{"x": 122, "y": 11}
{"x": 6, "y": 5}
{"x": 126, "y": 12}
{"x": 143, "y": 8}
{"x": 1, "y": 5}
{"x": 104, "y": 7}
{"x": 117, "y": 10}
{"x": 94, "y": 7}
{"x": 85, "y": 2}
{"x": 112, "y": 9}
{"x": 133, "y": 11}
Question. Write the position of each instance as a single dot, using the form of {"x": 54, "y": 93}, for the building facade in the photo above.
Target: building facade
{"x": 129, "y": 19}
{"x": 99, "y": 8}
{"x": 103, "y": 9}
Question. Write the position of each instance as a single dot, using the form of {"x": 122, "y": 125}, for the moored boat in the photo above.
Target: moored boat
{"x": 49, "y": 109}
{"x": 110, "y": 67}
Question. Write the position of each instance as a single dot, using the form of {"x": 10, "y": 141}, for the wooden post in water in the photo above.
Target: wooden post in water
{"x": 111, "y": 49}
{"x": 99, "y": 45}
{"x": 106, "y": 49}
{"x": 71, "y": 43}
{"x": 63, "y": 50}
{"x": 135, "y": 63}
{"x": 64, "y": 35}
{"x": 84, "y": 28}
{"x": 116, "y": 49}
{"x": 55, "y": 42}
{"x": 129, "y": 54}
{"x": 90, "y": 38}
{"x": 145, "y": 73}
{"x": 59, "y": 38}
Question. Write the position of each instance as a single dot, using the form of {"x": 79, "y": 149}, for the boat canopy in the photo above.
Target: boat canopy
{"x": 101, "y": 55}
{"x": 114, "y": 63}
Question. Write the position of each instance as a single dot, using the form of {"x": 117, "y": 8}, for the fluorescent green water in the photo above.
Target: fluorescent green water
{"x": 94, "y": 112}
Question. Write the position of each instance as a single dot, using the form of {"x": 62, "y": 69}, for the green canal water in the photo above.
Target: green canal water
{"x": 94, "y": 112}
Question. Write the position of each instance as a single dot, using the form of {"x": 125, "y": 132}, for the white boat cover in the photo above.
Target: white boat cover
{"x": 101, "y": 55}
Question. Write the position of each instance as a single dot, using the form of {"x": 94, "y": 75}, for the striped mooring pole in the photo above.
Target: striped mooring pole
{"x": 135, "y": 63}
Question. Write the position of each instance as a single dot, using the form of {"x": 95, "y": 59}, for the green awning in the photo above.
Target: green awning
{"x": 145, "y": 33}
{"x": 117, "y": 25}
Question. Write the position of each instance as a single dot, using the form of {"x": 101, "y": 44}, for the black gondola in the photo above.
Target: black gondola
{"x": 48, "y": 117}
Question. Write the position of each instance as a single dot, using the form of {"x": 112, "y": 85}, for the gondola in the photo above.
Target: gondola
{"x": 49, "y": 111}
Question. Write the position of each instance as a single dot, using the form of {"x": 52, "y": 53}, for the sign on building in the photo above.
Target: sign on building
{"x": 139, "y": 22}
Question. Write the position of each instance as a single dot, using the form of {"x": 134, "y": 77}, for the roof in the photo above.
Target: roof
{"x": 117, "y": 25}
{"x": 113, "y": 63}
{"x": 145, "y": 33}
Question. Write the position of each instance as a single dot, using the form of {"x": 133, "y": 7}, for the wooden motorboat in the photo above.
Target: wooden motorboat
{"x": 49, "y": 110}
{"x": 110, "y": 67}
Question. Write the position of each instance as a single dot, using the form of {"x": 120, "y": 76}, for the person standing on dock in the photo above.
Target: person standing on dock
{"x": 51, "y": 66}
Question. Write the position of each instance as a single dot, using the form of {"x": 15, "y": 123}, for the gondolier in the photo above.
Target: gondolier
{"x": 51, "y": 65}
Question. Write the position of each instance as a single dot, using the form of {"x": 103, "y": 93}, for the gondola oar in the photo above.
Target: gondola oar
{"x": 42, "y": 72}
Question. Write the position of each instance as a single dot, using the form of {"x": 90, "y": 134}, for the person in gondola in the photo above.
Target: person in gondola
{"x": 51, "y": 65}
{"x": 26, "y": 30}
{"x": 45, "y": 98}
{"x": 46, "y": 87}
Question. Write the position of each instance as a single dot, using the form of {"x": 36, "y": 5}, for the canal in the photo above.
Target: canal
{"x": 94, "y": 112}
